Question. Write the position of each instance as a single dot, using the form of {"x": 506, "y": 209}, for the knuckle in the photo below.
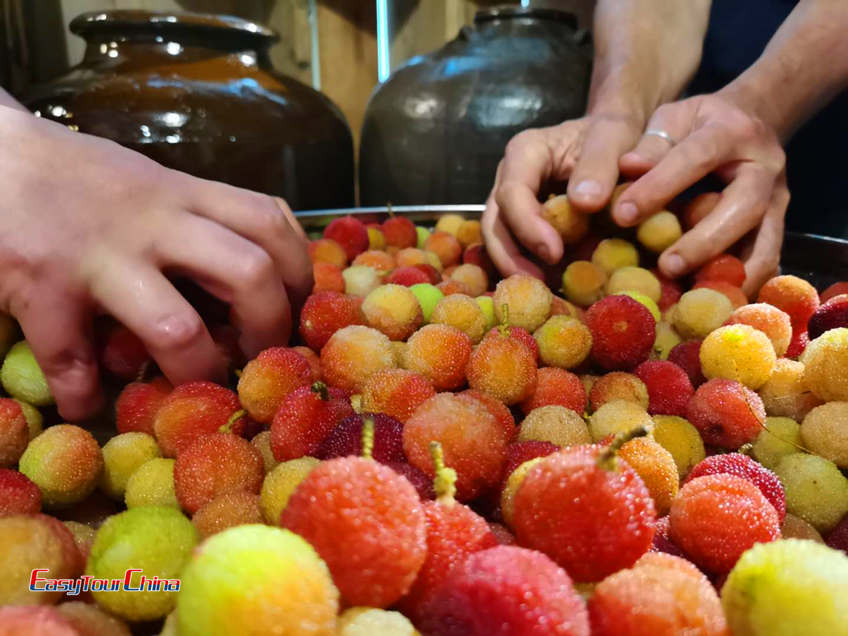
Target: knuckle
{"x": 177, "y": 331}
{"x": 256, "y": 269}
{"x": 269, "y": 219}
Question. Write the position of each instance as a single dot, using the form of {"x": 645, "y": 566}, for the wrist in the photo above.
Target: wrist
{"x": 623, "y": 97}
{"x": 751, "y": 93}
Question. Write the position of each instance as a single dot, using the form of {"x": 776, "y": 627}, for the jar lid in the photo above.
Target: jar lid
{"x": 164, "y": 23}
{"x": 507, "y": 12}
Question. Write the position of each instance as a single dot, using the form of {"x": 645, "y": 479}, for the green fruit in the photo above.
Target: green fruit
{"x": 256, "y": 580}
{"x": 667, "y": 338}
{"x": 34, "y": 418}
{"x": 370, "y": 621}
{"x": 815, "y": 489}
{"x": 157, "y": 540}
{"x": 122, "y": 456}
{"x": 280, "y": 483}
{"x": 423, "y": 234}
{"x": 487, "y": 305}
{"x": 152, "y": 484}
{"x": 22, "y": 377}
{"x": 428, "y": 297}
{"x": 645, "y": 300}
{"x": 681, "y": 439}
{"x": 782, "y": 438}
{"x": 787, "y": 588}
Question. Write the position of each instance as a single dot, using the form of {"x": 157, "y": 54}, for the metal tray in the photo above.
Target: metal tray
{"x": 821, "y": 260}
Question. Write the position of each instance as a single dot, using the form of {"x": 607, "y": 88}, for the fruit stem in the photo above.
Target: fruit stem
{"x": 389, "y": 209}
{"x": 321, "y": 390}
{"x": 607, "y": 458}
{"x": 237, "y": 372}
{"x": 235, "y": 417}
{"x": 368, "y": 438}
{"x": 445, "y": 482}
{"x": 142, "y": 372}
{"x": 504, "y": 326}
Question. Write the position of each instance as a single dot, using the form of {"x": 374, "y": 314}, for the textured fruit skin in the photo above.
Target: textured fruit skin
{"x": 28, "y": 620}
{"x": 326, "y": 250}
{"x": 65, "y": 463}
{"x": 662, "y": 539}
{"x": 591, "y": 521}
{"x": 825, "y": 432}
{"x": 506, "y": 590}
{"x": 152, "y": 484}
{"x": 618, "y": 385}
{"x": 519, "y": 452}
{"x": 280, "y": 483}
{"x": 738, "y": 352}
{"x": 362, "y": 621}
{"x": 815, "y": 489}
{"x": 453, "y": 532}
{"x": 555, "y": 424}
{"x": 473, "y": 277}
{"x": 123, "y": 353}
{"x": 394, "y": 310}
{"x": 617, "y": 416}
{"x": 34, "y": 541}
{"x": 462, "y": 312}
{"x": 396, "y": 392}
{"x": 227, "y": 510}
{"x": 563, "y": 342}
{"x": 669, "y": 388}
{"x": 14, "y": 432}
{"x": 327, "y": 277}
{"x": 504, "y": 368}
{"x": 213, "y": 465}
{"x": 366, "y": 522}
{"x": 733, "y": 293}
{"x": 346, "y": 439}
{"x": 155, "y": 539}
{"x": 122, "y": 455}
{"x": 788, "y": 587}
{"x": 22, "y": 378}
{"x": 826, "y": 365}
{"x": 699, "y": 311}
{"x": 834, "y": 290}
{"x": 662, "y": 595}
{"x": 830, "y": 314}
{"x": 798, "y": 344}
{"x": 724, "y": 267}
{"x": 89, "y": 620}
{"x": 687, "y": 355}
{"x": 556, "y": 386}
{"x": 717, "y": 517}
{"x": 18, "y": 494}
{"x": 498, "y": 410}
{"x": 399, "y": 232}
{"x": 726, "y": 413}
{"x": 681, "y": 439}
{"x": 353, "y": 355}
{"x": 746, "y": 468}
{"x": 350, "y": 234}
{"x": 256, "y": 580}
{"x": 529, "y": 301}
{"x": 623, "y": 332}
{"x": 445, "y": 246}
{"x": 766, "y": 318}
{"x": 793, "y": 295}
{"x": 269, "y": 378}
{"x": 304, "y": 419}
{"x": 326, "y": 312}
{"x": 190, "y": 410}
{"x": 583, "y": 282}
{"x": 474, "y": 441}
{"x": 786, "y": 394}
{"x": 379, "y": 260}
{"x": 656, "y": 467}
{"x": 138, "y": 403}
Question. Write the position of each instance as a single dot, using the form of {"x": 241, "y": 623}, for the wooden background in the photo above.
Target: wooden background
{"x": 35, "y": 44}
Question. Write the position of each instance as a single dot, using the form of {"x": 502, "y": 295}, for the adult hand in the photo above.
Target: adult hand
{"x": 87, "y": 226}
{"x": 712, "y": 135}
{"x": 585, "y": 152}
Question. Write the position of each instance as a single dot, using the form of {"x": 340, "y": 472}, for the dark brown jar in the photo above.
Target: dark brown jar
{"x": 197, "y": 93}
{"x": 436, "y": 129}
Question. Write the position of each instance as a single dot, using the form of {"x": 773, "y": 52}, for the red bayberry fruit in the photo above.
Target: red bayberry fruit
{"x": 519, "y": 452}
{"x": 18, "y": 494}
{"x": 746, "y": 468}
{"x": 559, "y": 387}
{"x": 396, "y": 392}
{"x": 838, "y": 537}
{"x": 716, "y": 518}
{"x": 366, "y": 523}
{"x": 623, "y": 332}
{"x": 325, "y": 313}
{"x": 830, "y": 315}
{"x": 213, "y": 465}
{"x": 400, "y": 232}
{"x": 669, "y": 388}
{"x": 834, "y": 290}
{"x": 346, "y": 439}
{"x": 798, "y": 343}
{"x": 138, "y": 403}
{"x": 14, "y": 432}
{"x": 726, "y": 413}
{"x": 670, "y": 290}
{"x": 123, "y": 353}
{"x": 586, "y": 509}
{"x": 724, "y": 267}
{"x": 328, "y": 251}
{"x": 440, "y": 353}
{"x": 269, "y": 378}
{"x": 687, "y": 356}
{"x": 662, "y": 539}
{"x": 305, "y": 417}
{"x": 793, "y": 295}
{"x": 350, "y": 233}
{"x": 408, "y": 276}
{"x": 506, "y": 590}
{"x": 504, "y": 368}
{"x": 327, "y": 277}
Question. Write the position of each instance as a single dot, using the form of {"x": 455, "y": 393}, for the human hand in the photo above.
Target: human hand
{"x": 585, "y": 152}
{"x": 712, "y": 135}
{"x": 87, "y": 226}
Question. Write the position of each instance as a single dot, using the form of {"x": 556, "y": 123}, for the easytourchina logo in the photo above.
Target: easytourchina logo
{"x": 133, "y": 581}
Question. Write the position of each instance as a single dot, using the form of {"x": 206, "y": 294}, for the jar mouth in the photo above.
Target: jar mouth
{"x": 135, "y": 22}
{"x": 508, "y": 12}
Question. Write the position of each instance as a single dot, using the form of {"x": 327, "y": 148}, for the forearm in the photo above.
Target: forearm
{"x": 9, "y": 101}
{"x": 803, "y": 67}
{"x": 646, "y": 51}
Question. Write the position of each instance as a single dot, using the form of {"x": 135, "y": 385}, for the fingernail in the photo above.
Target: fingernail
{"x": 627, "y": 212}
{"x": 588, "y": 189}
{"x": 674, "y": 265}
{"x": 543, "y": 252}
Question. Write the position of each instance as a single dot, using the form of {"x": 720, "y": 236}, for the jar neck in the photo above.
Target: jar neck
{"x": 158, "y": 49}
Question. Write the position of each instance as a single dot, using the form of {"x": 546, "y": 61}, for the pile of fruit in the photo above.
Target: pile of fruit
{"x": 445, "y": 453}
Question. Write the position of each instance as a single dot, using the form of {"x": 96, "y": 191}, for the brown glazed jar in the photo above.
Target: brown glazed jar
{"x": 436, "y": 129}
{"x": 197, "y": 93}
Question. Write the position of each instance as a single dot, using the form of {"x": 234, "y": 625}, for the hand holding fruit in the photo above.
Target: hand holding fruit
{"x": 89, "y": 227}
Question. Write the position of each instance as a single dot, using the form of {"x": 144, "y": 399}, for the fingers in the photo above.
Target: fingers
{"x": 499, "y": 244}
{"x": 57, "y": 329}
{"x": 672, "y": 119}
{"x": 764, "y": 259}
{"x": 683, "y": 165}
{"x": 740, "y": 209}
{"x": 238, "y": 272}
{"x": 140, "y": 297}
{"x": 263, "y": 220}
{"x": 596, "y": 172}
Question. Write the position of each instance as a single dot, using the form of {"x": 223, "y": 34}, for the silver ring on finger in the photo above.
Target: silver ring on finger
{"x": 656, "y": 132}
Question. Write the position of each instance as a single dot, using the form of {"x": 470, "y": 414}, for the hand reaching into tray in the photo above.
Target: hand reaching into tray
{"x": 87, "y": 226}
